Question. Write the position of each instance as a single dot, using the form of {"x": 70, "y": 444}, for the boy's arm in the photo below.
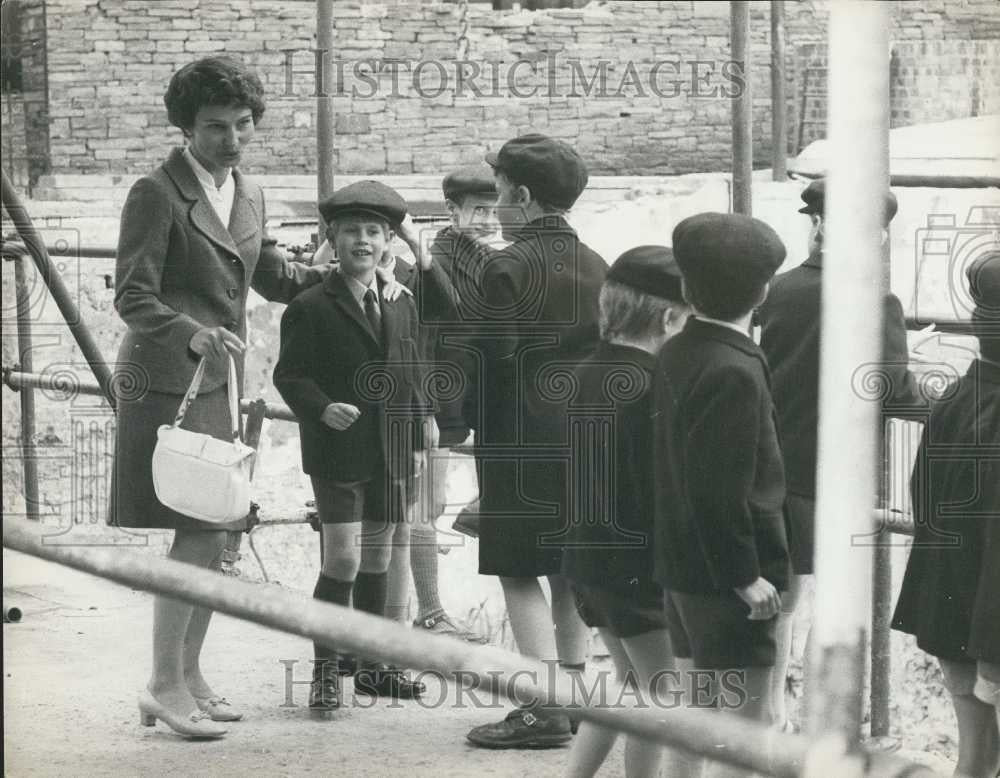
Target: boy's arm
{"x": 292, "y": 374}
{"x": 435, "y": 295}
{"x": 723, "y": 417}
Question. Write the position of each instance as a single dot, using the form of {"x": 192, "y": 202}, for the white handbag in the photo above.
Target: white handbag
{"x": 198, "y": 475}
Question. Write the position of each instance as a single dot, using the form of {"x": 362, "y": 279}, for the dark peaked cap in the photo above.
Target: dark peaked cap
{"x": 718, "y": 247}
{"x": 649, "y": 269}
{"x": 814, "y": 197}
{"x": 551, "y": 169}
{"x": 365, "y": 197}
{"x": 469, "y": 180}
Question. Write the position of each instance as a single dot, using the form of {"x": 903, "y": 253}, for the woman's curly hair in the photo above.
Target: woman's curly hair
{"x": 212, "y": 81}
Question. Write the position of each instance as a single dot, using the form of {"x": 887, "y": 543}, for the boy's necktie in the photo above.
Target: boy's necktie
{"x": 373, "y": 316}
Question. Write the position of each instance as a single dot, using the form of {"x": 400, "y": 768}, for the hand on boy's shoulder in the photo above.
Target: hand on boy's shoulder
{"x": 340, "y": 416}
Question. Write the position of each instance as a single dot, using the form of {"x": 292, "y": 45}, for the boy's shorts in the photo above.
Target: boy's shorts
{"x": 343, "y": 502}
{"x": 713, "y": 630}
{"x": 987, "y": 686}
{"x": 622, "y": 615}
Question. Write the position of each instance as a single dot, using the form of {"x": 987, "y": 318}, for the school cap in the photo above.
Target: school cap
{"x": 814, "y": 197}
{"x": 727, "y": 248}
{"x": 551, "y": 169}
{"x": 649, "y": 269}
{"x": 365, "y": 197}
{"x": 469, "y": 180}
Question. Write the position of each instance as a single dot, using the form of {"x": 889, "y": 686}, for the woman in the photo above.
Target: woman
{"x": 191, "y": 245}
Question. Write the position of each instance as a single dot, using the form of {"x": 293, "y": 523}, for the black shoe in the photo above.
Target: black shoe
{"x": 382, "y": 681}
{"x": 347, "y": 664}
{"x": 524, "y": 728}
{"x": 324, "y": 691}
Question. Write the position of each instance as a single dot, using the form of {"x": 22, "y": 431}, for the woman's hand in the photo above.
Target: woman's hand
{"x": 392, "y": 290}
{"x": 216, "y": 343}
{"x": 407, "y": 230}
{"x": 340, "y": 416}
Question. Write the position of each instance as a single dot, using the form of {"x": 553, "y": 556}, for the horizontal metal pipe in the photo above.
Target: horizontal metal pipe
{"x": 17, "y": 379}
{"x": 724, "y": 738}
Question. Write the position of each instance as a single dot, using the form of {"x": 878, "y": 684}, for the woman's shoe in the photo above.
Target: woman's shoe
{"x": 218, "y": 708}
{"x": 197, "y": 725}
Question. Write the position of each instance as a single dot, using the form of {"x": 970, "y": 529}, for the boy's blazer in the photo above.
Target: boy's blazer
{"x": 720, "y": 519}
{"x": 329, "y": 354}
{"x": 179, "y": 270}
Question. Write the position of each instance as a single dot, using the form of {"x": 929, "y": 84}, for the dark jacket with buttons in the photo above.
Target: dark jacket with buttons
{"x": 790, "y": 337}
{"x": 720, "y": 488}
{"x": 610, "y": 542}
{"x": 329, "y": 354}
{"x": 180, "y": 270}
{"x": 950, "y": 596}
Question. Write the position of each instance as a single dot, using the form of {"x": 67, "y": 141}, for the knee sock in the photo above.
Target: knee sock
{"x": 334, "y": 591}
{"x": 369, "y": 592}
{"x": 424, "y": 563}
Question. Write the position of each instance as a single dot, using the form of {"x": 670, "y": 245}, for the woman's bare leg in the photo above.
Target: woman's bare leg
{"x": 172, "y": 650}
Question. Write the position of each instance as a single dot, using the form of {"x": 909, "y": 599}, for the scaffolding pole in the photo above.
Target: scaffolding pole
{"x": 53, "y": 281}
{"x": 727, "y": 739}
{"x": 741, "y": 107}
{"x": 779, "y": 130}
{"x": 325, "y": 116}
{"x": 851, "y": 326}
{"x": 29, "y": 461}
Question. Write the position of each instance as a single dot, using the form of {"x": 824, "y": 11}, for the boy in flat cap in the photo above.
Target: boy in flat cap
{"x": 949, "y": 597}
{"x": 341, "y": 342}
{"x": 459, "y": 250}
{"x": 790, "y": 338}
{"x": 721, "y": 546}
{"x": 537, "y": 311}
{"x": 609, "y": 553}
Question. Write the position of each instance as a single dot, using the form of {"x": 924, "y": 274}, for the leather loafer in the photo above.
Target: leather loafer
{"x": 382, "y": 681}
{"x": 324, "y": 691}
{"x": 524, "y": 728}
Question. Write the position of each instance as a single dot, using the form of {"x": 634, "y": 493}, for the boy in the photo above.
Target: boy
{"x": 790, "y": 338}
{"x": 721, "y": 546}
{"x": 609, "y": 554}
{"x": 538, "y": 309}
{"x": 332, "y": 337}
{"x": 460, "y": 251}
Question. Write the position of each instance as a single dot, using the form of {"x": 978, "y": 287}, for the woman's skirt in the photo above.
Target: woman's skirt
{"x": 133, "y": 502}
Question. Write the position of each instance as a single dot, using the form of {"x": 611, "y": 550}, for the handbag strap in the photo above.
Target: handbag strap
{"x": 191, "y": 393}
{"x": 234, "y": 400}
{"x": 232, "y": 391}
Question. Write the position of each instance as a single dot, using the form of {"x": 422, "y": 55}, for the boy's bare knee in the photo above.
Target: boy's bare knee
{"x": 375, "y": 558}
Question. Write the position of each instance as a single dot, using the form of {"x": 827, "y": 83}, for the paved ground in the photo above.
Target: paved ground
{"x": 73, "y": 666}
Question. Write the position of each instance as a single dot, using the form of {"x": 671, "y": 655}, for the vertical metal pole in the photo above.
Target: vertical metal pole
{"x": 881, "y": 665}
{"x": 325, "y": 89}
{"x": 779, "y": 129}
{"x": 741, "y": 107}
{"x": 851, "y": 325}
{"x": 29, "y": 461}
{"x": 881, "y": 648}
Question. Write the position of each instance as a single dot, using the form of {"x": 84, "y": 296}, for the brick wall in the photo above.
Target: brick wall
{"x": 109, "y": 62}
